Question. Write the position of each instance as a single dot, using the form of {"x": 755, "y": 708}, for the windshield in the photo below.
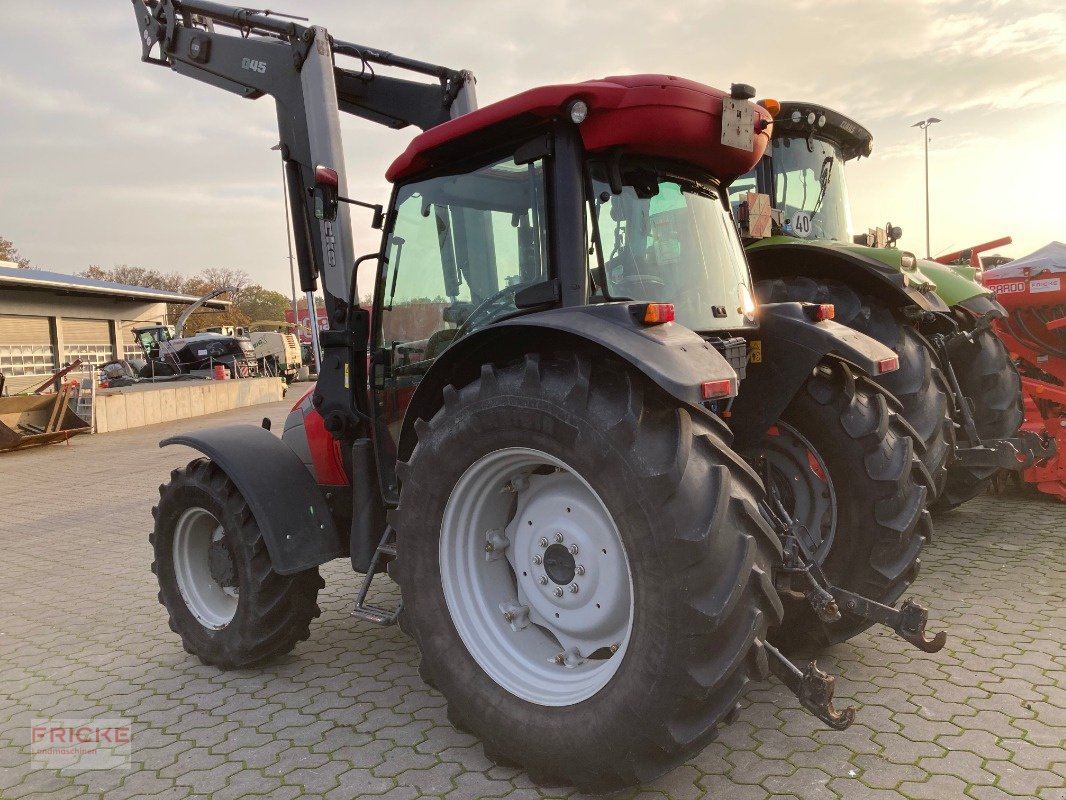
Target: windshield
{"x": 809, "y": 189}
{"x": 669, "y": 239}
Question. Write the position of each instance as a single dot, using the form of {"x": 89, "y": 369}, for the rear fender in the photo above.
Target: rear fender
{"x": 671, "y": 356}
{"x": 290, "y": 508}
{"x": 863, "y": 274}
{"x": 792, "y": 346}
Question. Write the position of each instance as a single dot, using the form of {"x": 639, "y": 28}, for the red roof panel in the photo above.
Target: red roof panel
{"x": 653, "y": 115}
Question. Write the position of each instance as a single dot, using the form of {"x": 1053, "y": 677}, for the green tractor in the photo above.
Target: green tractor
{"x": 956, "y": 383}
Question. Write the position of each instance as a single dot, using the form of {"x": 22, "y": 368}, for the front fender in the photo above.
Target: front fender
{"x": 673, "y": 357}
{"x": 289, "y": 507}
{"x": 792, "y": 346}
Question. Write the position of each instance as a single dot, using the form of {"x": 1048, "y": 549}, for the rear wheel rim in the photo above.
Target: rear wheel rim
{"x": 536, "y": 577}
{"x": 802, "y": 480}
{"x": 196, "y": 534}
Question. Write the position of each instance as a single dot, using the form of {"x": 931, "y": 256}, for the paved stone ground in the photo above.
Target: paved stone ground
{"x": 81, "y": 635}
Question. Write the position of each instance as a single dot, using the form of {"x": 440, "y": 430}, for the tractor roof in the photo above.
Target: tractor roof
{"x": 652, "y": 115}
{"x": 852, "y": 137}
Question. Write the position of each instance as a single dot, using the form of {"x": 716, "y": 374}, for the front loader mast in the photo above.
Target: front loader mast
{"x": 251, "y": 54}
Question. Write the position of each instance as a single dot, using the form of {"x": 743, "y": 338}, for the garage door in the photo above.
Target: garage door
{"x": 25, "y": 350}
{"x": 87, "y": 339}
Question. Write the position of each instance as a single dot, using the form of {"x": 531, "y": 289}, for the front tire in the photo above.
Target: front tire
{"x": 215, "y": 577}
{"x": 844, "y": 467}
{"x": 617, "y": 682}
{"x": 993, "y": 389}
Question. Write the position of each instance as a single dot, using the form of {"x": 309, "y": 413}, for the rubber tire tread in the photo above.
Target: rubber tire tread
{"x": 919, "y": 384}
{"x": 882, "y": 523}
{"x": 274, "y": 611}
{"x": 701, "y": 568}
{"x": 989, "y": 379}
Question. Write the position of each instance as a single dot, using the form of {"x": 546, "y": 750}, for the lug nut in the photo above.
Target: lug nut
{"x": 542, "y": 580}
{"x": 573, "y": 549}
{"x": 560, "y": 659}
{"x": 537, "y": 559}
{"x": 558, "y": 591}
{"x": 574, "y": 588}
{"x": 558, "y": 537}
{"x": 579, "y": 570}
{"x": 543, "y": 541}
{"x": 614, "y": 648}
{"x": 509, "y": 616}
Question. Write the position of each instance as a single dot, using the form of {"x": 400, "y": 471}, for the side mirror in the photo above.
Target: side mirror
{"x": 325, "y": 193}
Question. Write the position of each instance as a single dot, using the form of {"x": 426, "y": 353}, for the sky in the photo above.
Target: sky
{"x": 106, "y": 160}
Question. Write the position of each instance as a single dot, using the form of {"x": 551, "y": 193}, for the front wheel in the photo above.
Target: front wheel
{"x": 992, "y": 388}
{"x": 215, "y": 576}
{"x": 584, "y": 570}
{"x": 843, "y": 466}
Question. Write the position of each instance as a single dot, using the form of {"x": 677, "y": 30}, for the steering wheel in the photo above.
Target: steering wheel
{"x": 487, "y": 308}
{"x": 640, "y": 282}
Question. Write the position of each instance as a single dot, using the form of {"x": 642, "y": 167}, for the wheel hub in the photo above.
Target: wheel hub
{"x": 802, "y": 481}
{"x": 559, "y": 564}
{"x": 204, "y": 569}
{"x": 536, "y": 577}
{"x": 221, "y": 565}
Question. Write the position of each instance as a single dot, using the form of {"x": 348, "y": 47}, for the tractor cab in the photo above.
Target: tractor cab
{"x": 151, "y": 337}
{"x": 803, "y": 172}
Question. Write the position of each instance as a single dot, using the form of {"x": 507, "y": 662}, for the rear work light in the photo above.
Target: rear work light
{"x": 714, "y": 390}
{"x": 887, "y": 365}
{"x": 822, "y": 311}
{"x": 658, "y": 313}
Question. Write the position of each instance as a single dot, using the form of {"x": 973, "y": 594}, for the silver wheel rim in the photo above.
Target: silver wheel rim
{"x": 536, "y": 577}
{"x": 802, "y": 479}
{"x": 209, "y": 601}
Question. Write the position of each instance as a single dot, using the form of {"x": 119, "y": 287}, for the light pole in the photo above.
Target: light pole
{"x": 924, "y": 125}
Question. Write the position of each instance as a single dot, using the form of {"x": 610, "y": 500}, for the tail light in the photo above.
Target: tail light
{"x": 714, "y": 390}
{"x": 887, "y": 365}
{"x": 658, "y": 313}
{"x": 822, "y": 311}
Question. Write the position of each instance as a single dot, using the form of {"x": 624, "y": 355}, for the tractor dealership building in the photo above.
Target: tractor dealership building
{"x": 48, "y": 320}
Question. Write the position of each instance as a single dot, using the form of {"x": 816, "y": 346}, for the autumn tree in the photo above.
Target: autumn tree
{"x": 8, "y": 252}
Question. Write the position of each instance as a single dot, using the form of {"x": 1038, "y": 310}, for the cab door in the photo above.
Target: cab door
{"x": 458, "y": 249}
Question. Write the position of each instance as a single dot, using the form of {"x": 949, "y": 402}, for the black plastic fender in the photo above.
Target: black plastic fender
{"x": 288, "y": 505}
{"x": 862, "y": 273}
{"x": 792, "y": 346}
{"x": 983, "y": 304}
{"x": 672, "y": 356}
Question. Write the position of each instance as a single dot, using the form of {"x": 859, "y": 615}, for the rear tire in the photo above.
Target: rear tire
{"x": 698, "y": 554}
{"x": 215, "y": 577}
{"x": 993, "y": 388}
{"x": 919, "y": 384}
{"x": 852, "y": 481}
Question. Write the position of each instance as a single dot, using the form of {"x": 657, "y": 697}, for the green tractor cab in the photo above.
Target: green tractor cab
{"x": 956, "y": 383}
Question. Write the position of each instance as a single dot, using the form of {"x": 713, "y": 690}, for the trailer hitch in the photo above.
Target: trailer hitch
{"x": 908, "y": 622}
{"x": 812, "y": 687}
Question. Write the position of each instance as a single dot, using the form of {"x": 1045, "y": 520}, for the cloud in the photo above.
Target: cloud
{"x": 106, "y": 159}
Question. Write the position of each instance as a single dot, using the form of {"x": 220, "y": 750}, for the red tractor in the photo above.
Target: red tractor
{"x": 549, "y": 466}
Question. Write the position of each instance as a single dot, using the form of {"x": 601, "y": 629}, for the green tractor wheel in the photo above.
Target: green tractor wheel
{"x": 918, "y": 384}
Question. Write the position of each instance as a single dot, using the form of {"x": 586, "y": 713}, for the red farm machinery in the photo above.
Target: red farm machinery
{"x": 1033, "y": 290}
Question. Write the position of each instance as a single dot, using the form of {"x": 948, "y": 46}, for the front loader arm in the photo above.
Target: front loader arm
{"x": 253, "y": 54}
